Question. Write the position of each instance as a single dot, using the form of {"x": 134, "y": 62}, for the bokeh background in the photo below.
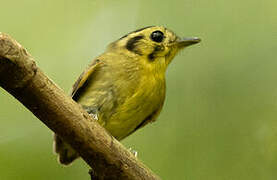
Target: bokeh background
{"x": 219, "y": 121}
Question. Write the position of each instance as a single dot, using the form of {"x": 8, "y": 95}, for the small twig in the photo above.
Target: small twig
{"x": 20, "y": 76}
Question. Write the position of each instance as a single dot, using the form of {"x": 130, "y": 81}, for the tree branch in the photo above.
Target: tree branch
{"x": 20, "y": 76}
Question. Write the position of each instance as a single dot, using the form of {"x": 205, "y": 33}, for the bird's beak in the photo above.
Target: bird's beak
{"x": 184, "y": 42}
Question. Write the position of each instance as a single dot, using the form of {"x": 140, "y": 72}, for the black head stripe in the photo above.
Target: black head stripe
{"x": 138, "y": 30}
{"x": 131, "y": 44}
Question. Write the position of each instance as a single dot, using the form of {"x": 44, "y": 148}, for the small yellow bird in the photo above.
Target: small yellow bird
{"x": 124, "y": 88}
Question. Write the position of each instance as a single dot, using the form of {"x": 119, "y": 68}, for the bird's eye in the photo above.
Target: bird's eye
{"x": 157, "y": 36}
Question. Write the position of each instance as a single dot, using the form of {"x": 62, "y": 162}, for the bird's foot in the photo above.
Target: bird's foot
{"x": 134, "y": 152}
{"x": 94, "y": 116}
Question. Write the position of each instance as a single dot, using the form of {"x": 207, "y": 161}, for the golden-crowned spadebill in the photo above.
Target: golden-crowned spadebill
{"x": 124, "y": 88}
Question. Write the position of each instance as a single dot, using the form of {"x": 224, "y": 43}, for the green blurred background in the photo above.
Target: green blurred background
{"x": 219, "y": 121}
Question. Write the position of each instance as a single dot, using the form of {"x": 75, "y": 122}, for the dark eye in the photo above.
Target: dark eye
{"x": 157, "y": 36}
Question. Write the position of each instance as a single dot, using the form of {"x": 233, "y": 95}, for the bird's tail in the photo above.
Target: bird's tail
{"x": 66, "y": 154}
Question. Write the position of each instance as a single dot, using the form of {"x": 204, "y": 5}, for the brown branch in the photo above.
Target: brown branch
{"x": 20, "y": 76}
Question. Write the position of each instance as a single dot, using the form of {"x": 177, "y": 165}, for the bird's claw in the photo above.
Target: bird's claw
{"x": 134, "y": 152}
{"x": 94, "y": 116}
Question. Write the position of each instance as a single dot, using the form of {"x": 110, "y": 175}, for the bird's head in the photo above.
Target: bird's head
{"x": 155, "y": 45}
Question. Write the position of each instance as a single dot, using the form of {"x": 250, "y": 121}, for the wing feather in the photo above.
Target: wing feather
{"x": 84, "y": 76}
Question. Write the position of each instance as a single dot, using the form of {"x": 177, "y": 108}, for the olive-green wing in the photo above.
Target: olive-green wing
{"x": 66, "y": 153}
{"x": 84, "y": 77}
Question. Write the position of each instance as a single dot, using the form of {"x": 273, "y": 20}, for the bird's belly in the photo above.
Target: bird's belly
{"x": 132, "y": 114}
{"x": 123, "y": 123}
{"x": 122, "y": 127}
{"x": 124, "y": 106}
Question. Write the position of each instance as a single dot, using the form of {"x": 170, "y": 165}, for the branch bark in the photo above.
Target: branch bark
{"x": 20, "y": 76}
